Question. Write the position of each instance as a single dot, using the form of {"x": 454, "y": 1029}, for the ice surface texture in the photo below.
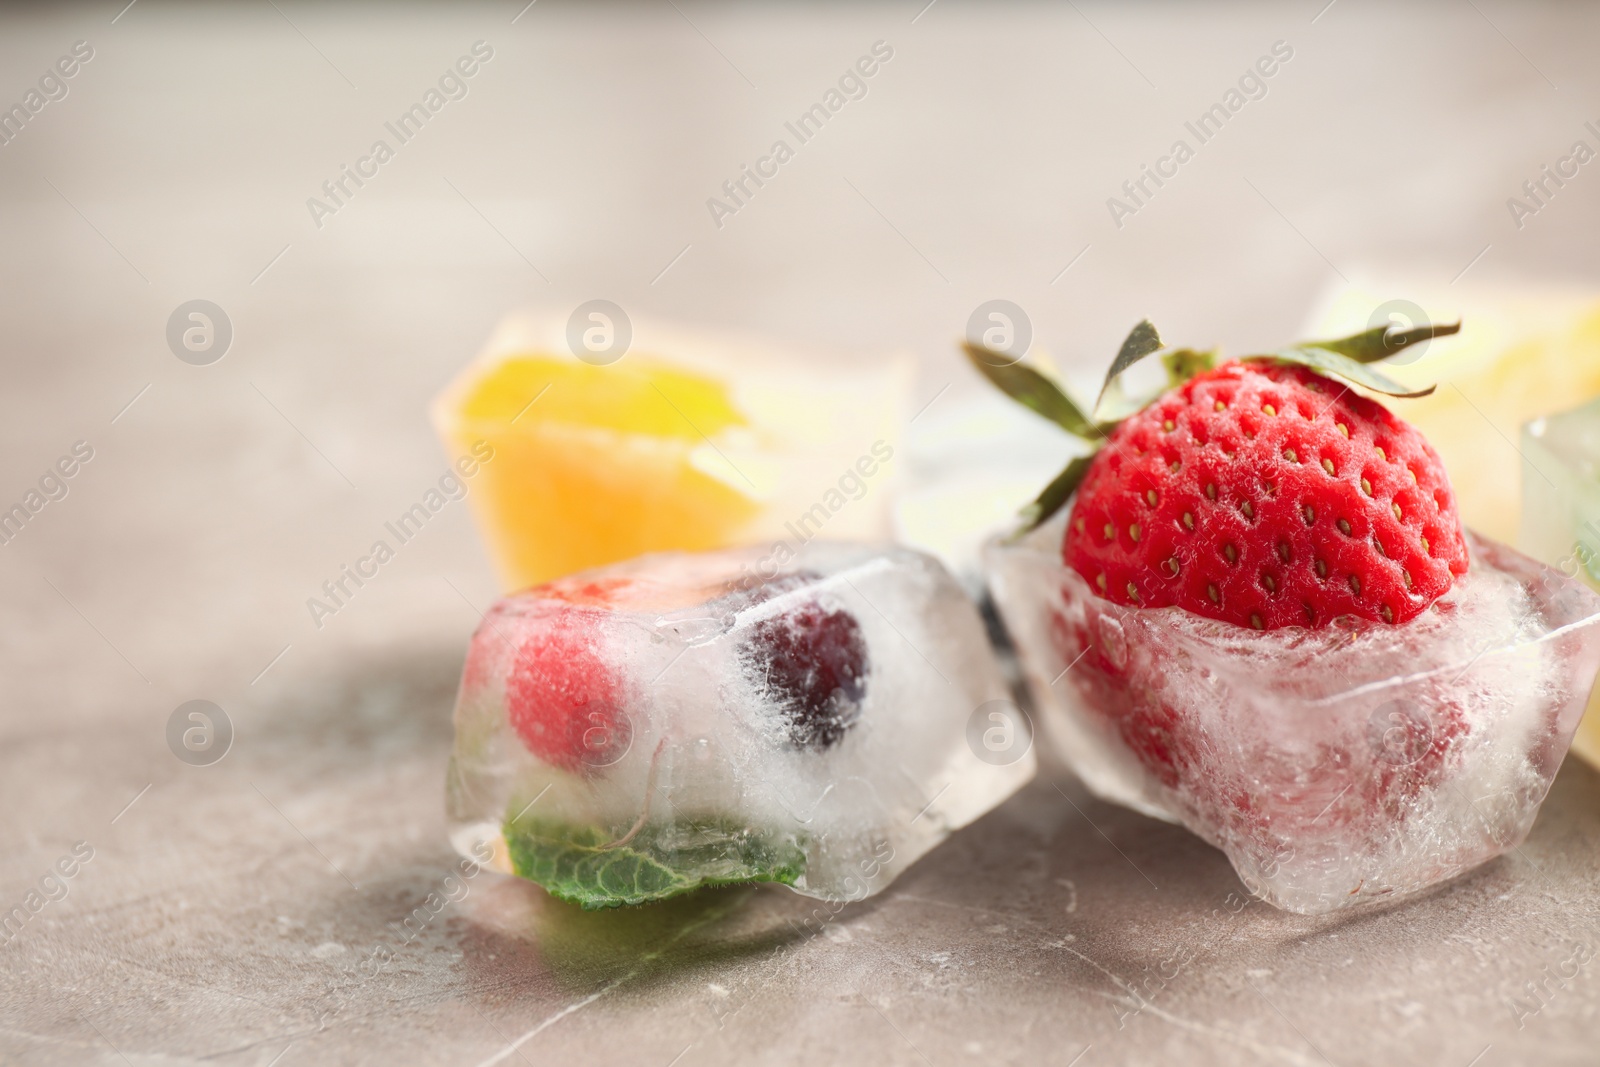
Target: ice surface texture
{"x": 1336, "y": 766}
{"x": 631, "y": 733}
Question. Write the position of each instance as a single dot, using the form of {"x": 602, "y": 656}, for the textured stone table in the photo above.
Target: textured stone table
{"x": 254, "y": 911}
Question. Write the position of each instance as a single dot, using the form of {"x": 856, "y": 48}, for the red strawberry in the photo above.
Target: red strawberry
{"x": 1263, "y": 494}
{"x": 561, "y": 697}
{"x": 1267, "y": 495}
{"x": 1252, "y": 787}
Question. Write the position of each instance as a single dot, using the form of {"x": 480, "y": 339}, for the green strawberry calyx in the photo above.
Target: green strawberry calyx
{"x": 1354, "y": 359}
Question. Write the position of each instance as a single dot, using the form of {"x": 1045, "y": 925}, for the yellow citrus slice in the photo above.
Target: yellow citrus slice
{"x": 594, "y": 464}
{"x": 1518, "y": 356}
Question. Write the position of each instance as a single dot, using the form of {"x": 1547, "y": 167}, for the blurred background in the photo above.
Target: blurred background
{"x": 189, "y": 156}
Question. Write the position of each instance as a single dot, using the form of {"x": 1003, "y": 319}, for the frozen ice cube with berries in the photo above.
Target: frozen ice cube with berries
{"x": 1252, "y": 609}
{"x": 818, "y": 717}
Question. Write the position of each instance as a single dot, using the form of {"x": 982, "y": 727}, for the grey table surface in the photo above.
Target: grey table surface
{"x": 252, "y": 911}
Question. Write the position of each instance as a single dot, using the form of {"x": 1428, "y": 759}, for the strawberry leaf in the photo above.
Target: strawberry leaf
{"x": 1382, "y": 342}
{"x": 1338, "y": 365}
{"x": 1141, "y": 341}
{"x": 1031, "y": 389}
{"x": 1184, "y": 363}
{"x": 1057, "y": 493}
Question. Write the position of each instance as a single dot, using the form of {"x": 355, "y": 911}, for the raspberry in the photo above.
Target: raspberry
{"x": 562, "y": 699}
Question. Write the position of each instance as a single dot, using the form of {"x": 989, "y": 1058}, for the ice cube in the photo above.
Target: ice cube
{"x": 679, "y": 720}
{"x": 1334, "y": 766}
{"x": 1561, "y": 515}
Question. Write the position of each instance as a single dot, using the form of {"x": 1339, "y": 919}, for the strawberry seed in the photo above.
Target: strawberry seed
{"x": 1344, "y": 527}
{"x": 1355, "y": 584}
{"x": 1327, "y": 465}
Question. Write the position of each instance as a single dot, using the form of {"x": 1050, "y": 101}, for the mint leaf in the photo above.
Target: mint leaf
{"x": 661, "y": 861}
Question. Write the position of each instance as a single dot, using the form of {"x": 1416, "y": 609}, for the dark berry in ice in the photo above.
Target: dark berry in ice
{"x": 811, "y": 661}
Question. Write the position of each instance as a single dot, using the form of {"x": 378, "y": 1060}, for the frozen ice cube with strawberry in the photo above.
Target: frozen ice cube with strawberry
{"x": 681, "y": 720}
{"x": 1261, "y": 617}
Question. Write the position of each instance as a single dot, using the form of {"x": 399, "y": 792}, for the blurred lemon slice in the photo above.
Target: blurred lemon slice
{"x": 594, "y": 464}
{"x": 1520, "y": 354}
{"x": 690, "y": 440}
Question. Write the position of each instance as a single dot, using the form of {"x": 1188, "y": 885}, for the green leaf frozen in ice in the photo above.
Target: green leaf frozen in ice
{"x": 575, "y": 864}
